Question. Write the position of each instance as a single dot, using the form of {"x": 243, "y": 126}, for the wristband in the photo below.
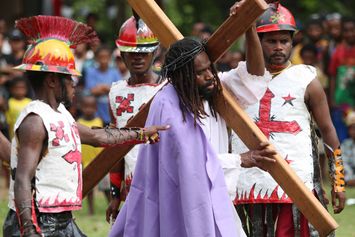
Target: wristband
{"x": 115, "y": 179}
{"x": 336, "y": 170}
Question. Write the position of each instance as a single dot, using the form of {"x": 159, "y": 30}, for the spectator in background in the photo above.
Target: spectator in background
{"x": 206, "y": 32}
{"x": 98, "y": 81}
{"x": 6, "y": 49}
{"x": 4, "y": 133}
{"x": 342, "y": 72}
{"x": 236, "y": 57}
{"x": 18, "y": 88}
{"x": 88, "y": 118}
{"x": 348, "y": 148}
{"x": 3, "y": 68}
{"x": 334, "y": 31}
{"x": 4, "y": 128}
{"x": 314, "y": 34}
{"x": 121, "y": 66}
{"x": 197, "y": 29}
{"x": 309, "y": 57}
{"x": 17, "y": 44}
{"x": 92, "y": 20}
{"x": 80, "y": 55}
{"x": 222, "y": 65}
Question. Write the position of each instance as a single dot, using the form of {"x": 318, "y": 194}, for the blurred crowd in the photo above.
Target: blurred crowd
{"x": 325, "y": 42}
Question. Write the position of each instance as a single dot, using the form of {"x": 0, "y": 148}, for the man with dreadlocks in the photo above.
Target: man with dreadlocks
{"x": 284, "y": 115}
{"x": 179, "y": 188}
{"x": 46, "y": 181}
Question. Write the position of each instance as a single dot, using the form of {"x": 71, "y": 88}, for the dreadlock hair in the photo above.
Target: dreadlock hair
{"x": 179, "y": 70}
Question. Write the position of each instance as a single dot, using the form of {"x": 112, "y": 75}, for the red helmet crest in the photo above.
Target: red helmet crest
{"x": 135, "y": 36}
{"x": 276, "y": 18}
{"x": 51, "y": 38}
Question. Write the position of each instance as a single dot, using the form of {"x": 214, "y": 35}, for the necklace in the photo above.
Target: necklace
{"x": 278, "y": 72}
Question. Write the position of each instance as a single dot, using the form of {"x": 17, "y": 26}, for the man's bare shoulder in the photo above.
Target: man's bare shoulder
{"x": 32, "y": 127}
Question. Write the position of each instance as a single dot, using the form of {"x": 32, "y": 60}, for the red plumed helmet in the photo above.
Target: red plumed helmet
{"x": 50, "y": 39}
{"x": 135, "y": 36}
{"x": 276, "y": 18}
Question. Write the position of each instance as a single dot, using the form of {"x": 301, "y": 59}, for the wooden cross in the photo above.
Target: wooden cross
{"x": 227, "y": 107}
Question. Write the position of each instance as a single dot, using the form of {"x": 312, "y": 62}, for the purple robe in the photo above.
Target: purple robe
{"x": 178, "y": 189}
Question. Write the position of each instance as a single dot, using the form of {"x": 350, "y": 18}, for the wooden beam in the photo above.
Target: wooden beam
{"x": 231, "y": 29}
{"x": 157, "y": 21}
{"x": 251, "y": 135}
{"x": 102, "y": 164}
{"x": 235, "y": 117}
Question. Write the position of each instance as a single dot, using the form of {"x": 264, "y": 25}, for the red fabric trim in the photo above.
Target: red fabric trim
{"x": 34, "y": 218}
{"x": 285, "y": 225}
{"x": 116, "y": 178}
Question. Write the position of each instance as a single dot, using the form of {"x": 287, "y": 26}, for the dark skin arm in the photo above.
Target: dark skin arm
{"x": 254, "y": 54}
{"x": 5, "y": 148}
{"x": 258, "y": 157}
{"x": 316, "y": 101}
{"x": 100, "y": 137}
{"x": 29, "y": 154}
{"x": 112, "y": 209}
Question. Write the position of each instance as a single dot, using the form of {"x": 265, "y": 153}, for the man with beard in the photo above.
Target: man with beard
{"x": 138, "y": 47}
{"x": 284, "y": 115}
{"x": 46, "y": 182}
{"x": 179, "y": 187}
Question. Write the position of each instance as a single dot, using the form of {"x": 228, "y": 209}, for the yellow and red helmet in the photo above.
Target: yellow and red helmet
{"x": 135, "y": 36}
{"x": 276, "y": 18}
{"x": 51, "y": 39}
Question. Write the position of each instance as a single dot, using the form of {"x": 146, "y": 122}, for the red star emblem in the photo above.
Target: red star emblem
{"x": 287, "y": 160}
{"x": 288, "y": 99}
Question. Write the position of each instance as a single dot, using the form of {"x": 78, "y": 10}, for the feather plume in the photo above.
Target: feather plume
{"x": 43, "y": 27}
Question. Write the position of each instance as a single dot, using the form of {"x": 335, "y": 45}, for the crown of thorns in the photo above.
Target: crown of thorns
{"x": 182, "y": 60}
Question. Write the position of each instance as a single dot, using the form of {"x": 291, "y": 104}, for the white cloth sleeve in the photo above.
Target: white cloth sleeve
{"x": 230, "y": 164}
{"x": 246, "y": 88}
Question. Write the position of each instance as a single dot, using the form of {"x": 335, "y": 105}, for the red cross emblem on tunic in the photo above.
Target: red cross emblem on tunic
{"x": 59, "y": 133}
{"x": 267, "y": 123}
{"x": 74, "y": 156}
{"x": 124, "y": 104}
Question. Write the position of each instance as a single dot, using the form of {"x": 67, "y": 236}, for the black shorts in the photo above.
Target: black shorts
{"x": 51, "y": 224}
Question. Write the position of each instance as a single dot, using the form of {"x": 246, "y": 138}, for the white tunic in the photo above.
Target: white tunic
{"x": 58, "y": 179}
{"x": 247, "y": 90}
{"x": 125, "y": 102}
{"x": 283, "y": 117}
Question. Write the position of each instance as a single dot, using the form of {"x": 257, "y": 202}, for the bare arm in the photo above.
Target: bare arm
{"x": 115, "y": 136}
{"x": 100, "y": 89}
{"x": 254, "y": 53}
{"x": 318, "y": 106}
{"x": 5, "y": 149}
{"x": 316, "y": 100}
{"x": 29, "y": 154}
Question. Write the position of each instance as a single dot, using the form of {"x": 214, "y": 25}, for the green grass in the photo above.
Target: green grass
{"x": 96, "y": 226}
{"x": 92, "y": 226}
{"x": 346, "y": 219}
